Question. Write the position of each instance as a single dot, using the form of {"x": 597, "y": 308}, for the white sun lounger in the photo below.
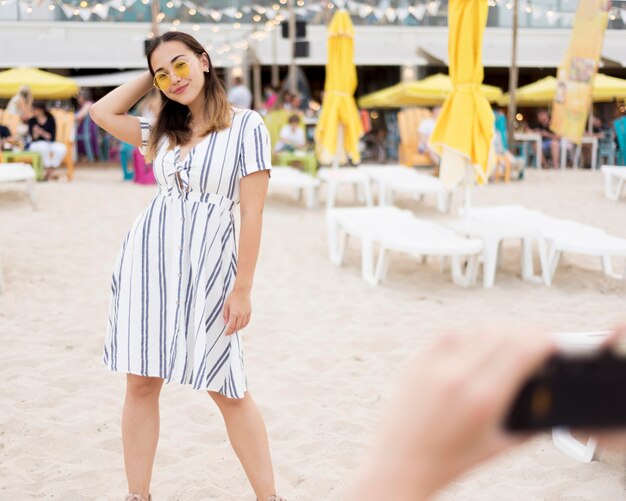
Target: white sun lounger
{"x": 20, "y": 172}
{"x": 351, "y": 176}
{"x": 393, "y": 229}
{"x": 304, "y": 184}
{"x": 556, "y": 236}
{"x": 392, "y": 179}
{"x": 614, "y": 179}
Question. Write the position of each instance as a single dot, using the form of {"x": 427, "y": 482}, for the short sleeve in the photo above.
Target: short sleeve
{"x": 256, "y": 148}
{"x": 145, "y": 134}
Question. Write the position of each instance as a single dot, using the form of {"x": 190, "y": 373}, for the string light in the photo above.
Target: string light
{"x": 196, "y": 27}
{"x": 238, "y": 15}
{"x": 275, "y": 7}
{"x": 192, "y": 12}
{"x": 51, "y": 7}
{"x": 528, "y": 9}
{"x": 169, "y": 5}
{"x": 236, "y": 26}
{"x": 84, "y": 4}
{"x": 300, "y": 3}
{"x": 215, "y": 29}
{"x": 122, "y": 8}
{"x": 176, "y": 22}
{"x": 256, "y": 18}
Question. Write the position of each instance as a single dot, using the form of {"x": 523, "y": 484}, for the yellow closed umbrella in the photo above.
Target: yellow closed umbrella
{"x": 43, "y": 85}
{"x": 541, "y": 92}
{"x": 430, "y": 91}
{"x": 465, "y": 125}
{"x": 339, "y": 116}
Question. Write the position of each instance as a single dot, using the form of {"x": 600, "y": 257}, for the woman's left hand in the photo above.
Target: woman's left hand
{"x": 237, "y": 310}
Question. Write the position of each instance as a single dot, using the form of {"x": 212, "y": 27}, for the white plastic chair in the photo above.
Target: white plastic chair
{"x": 392, "y": 179}
{"x": 393, "y": 229}
{"x": 335, "y": 177}
{"x": 555, "y": 237}
{"x": 17, "y": 173}
{"x": 289, "y": 177}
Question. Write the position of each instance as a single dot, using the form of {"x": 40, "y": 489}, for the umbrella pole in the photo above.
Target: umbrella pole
{"x": 467, "y": 195}
{"x": 339, "y": 149}
{"x": 513, "y": 74}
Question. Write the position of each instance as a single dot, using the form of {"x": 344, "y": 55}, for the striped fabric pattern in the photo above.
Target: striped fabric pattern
{"x": 178, "y": 264}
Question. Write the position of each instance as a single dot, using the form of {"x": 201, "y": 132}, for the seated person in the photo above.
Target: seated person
{"x": 291, "y": 136}
{"x": 550, "y": 142}
{"x": 42, "y": 130}
{"x": 425, "y": 130}
{"x": 5, "y": 138}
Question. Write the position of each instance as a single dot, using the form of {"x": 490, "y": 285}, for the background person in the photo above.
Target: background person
{"x": 291, "y": 136}
{"x": 239, "y": 95}
{"x": 551, "y": 143}
{"x": 42, "y": 130}
{"x": 425, "y": 130}
{"x": 21, "y": 104}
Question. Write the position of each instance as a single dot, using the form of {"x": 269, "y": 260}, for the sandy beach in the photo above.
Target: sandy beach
{"x": 323, "y": 351}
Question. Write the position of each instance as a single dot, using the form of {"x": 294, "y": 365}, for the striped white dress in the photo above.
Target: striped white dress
{"x": 178, "y": 264}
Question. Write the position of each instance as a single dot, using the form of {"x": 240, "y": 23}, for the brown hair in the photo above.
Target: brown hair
{"x": 173, "y": 119}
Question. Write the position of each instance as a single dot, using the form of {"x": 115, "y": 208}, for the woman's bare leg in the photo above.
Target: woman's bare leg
{"x": 140, "y": 430}
{"x": 247, "y": 434}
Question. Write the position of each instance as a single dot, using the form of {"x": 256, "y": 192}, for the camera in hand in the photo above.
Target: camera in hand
{"x": 573, "y": 391}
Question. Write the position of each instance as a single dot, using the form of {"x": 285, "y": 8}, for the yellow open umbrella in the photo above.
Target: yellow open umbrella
{"x": 43, "y": 85}
{"x": 339, "y": 110}
{"x": 430, "y": 91}
{"x": 465, "y": 125}
{"x": 541, "y": 92}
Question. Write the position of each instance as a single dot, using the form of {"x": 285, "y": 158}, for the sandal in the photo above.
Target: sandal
{"x": 136, "y": 497}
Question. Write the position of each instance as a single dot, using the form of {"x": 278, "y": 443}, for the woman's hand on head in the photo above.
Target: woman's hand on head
{"x": 237, "y": 310}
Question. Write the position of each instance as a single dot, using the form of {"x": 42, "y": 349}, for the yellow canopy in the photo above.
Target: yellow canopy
{"x": 338, "y": 106}
{"x": 465, "y": 126}
{"x": 429, "y": 91}
{"x": 541, "y": 92}
{"x": 43, "y": 85}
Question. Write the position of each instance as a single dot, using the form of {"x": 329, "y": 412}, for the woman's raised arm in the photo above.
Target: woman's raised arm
{"x": 110, "y": 111}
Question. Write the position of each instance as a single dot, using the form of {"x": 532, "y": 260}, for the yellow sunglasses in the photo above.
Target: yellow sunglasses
{"x": 163, "y": 79}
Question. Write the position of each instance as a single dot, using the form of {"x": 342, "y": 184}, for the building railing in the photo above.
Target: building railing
{"x": 533, "y": 13}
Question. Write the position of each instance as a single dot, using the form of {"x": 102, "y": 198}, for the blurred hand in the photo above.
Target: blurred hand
{"x": 237, "y": 310}
{"x": 447, "y": 417}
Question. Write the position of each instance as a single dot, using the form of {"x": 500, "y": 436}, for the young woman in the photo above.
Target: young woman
{"x": 43, "y": 130}
{"x": 180, "y": 294}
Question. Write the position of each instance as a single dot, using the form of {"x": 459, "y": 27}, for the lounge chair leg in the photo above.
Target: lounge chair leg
{"x": 607, "y": 267}
{"x": 367, "y": 261}
{"x": 490, "y": 259}
{"x": 336, "y": 242}
{"x": 566, "y": 443}
{"x": 528, "y": 271}
{"x": 30, "y": 186}
{"x": 544, "y": 261}
{"x": 382, "y": 265}
{"x": 310, "y": 197}
{"x": 555, "y": 255}
{"x": 367, "y": 193}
